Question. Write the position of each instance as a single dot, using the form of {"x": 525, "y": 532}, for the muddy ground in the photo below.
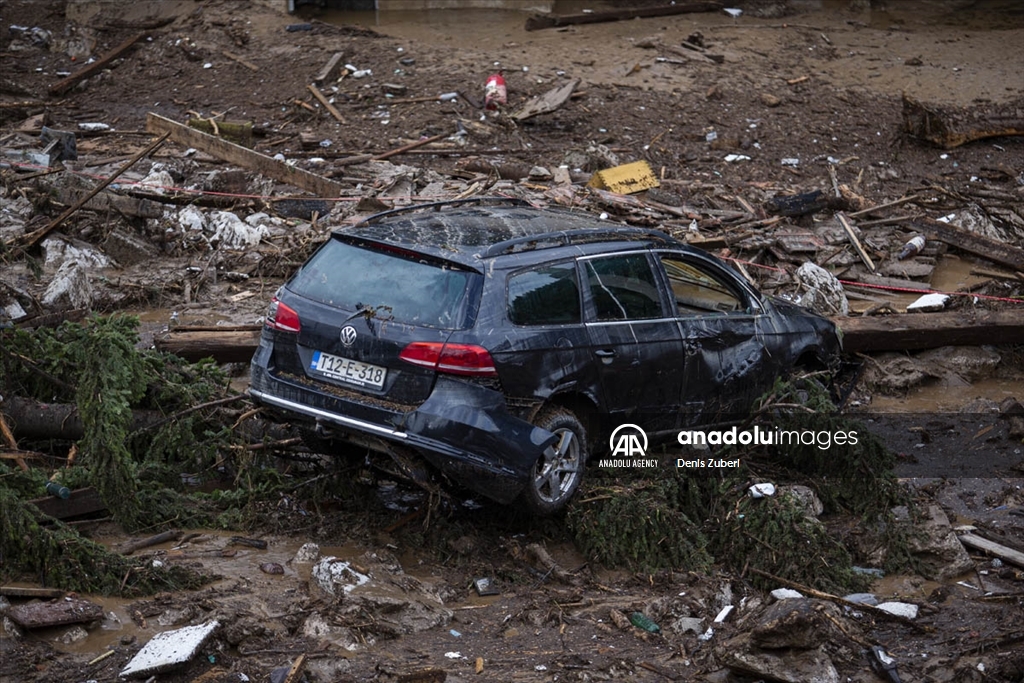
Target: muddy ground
{"x": 818, "y": 82}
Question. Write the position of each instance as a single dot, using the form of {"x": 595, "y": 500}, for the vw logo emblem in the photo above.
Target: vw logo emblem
{"x": 348, "y": 335}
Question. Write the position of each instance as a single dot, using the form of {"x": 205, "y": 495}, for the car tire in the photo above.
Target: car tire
{"x": 558, "y": 473}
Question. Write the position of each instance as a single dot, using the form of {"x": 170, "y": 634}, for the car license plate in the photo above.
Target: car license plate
{"x": 348, "y": 370}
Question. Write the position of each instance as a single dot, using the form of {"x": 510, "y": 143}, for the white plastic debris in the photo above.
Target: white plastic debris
{"x": 308, "y": 553}
{"x": 900, "y": 609}
{"x": 928, "y": 303}
{"x": 732, "y": 158}
{"x": 762, "y": 490}
{"x": 168, "y": 649}
{"x": 733, "y": 11}
{"x": 192, "y": 219}
{"x": 707, "y": 635}
{"x": 724, "y": 614}
{"x": 790, "y": 161}
{"x": 232, "y": 232}
{"x": 92, "y": 127}
{"x": 786, "y": 594}
{"x": 157, "y": 180}
{"x": 453, "y": 655}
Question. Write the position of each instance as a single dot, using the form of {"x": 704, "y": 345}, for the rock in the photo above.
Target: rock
{"x": 335, "y": 577}
{"x": 74, "y": 635}
{"x": 58, "y": 252}
{"x": 901, "y": 609}
{"x": 799, "y": 623}
{"x": 824, "y": 293}
{"x": 69, "y": 288}
{"x": 769, "y": 100}
{"x": 128, "y": 249}
{"x": 787, "y": 666}
{"x": 804, "y": 497}
{"x": 307, "y": 554}
{"x": 786, "y": 594}
{"x": 967, "y": 363}
{"x": 933, "y": 543}
{"x": 861, "y": 598}
{"x": 688, "y": 625}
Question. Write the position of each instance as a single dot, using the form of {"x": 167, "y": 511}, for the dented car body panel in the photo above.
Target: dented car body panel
{"x": 453, "y": 332}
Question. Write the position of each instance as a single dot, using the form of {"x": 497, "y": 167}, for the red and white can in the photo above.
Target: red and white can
{"x": 495, "y": 94}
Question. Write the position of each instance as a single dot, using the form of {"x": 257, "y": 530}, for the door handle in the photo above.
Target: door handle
{"x": 605, "y": 353}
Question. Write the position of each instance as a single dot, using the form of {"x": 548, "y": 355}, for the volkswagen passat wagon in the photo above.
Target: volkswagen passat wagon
{"x": 494, "y": 345}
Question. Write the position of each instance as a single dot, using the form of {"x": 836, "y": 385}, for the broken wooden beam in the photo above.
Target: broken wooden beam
{"x": 537, "y": 22}
{"x": 232, "y": 346}
{"x": 235, "y": 58}
{"x": 238, "y": 132}
{"x": 240, "y": 156}
{"x": 950, "y": 127}
{"x": 992, "y": 548}
{"x": 855, "y": 242}
{"x": 931, "y": 330}
{"x": 972, "y": 243}
{"x": 81, "y": 502}
{"x": 322, "y": 99}
{"x": 103, "y": 62}
{"x": 330, "y": 69}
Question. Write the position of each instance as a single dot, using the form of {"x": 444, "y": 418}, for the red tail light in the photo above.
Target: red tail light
{"x": 280, "y": 317}
{"x": 455, "y": 359}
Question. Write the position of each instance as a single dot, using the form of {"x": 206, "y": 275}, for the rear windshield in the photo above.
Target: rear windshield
{"x": 395, "y": 284}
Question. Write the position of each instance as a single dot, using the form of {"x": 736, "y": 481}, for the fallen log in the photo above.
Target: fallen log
{"x": 35, "y": 420}
{"x": 537, "y": 22}
{"x": 148, "y": 542}
{"x": 988, "y": 249}
{"x": 931, "y": 330}
{"x": 229, "y": 346}
{"x": 97, "y": 66}
{"x": 950, "y": 127}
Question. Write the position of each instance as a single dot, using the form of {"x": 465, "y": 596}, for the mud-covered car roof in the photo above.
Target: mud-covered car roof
{"x": 470, "y": 232}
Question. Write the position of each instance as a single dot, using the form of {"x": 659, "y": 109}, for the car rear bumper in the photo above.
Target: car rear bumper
{"x": 462, "y": 429}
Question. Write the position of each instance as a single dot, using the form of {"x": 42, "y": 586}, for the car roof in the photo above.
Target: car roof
{"x": 489, "y": 227}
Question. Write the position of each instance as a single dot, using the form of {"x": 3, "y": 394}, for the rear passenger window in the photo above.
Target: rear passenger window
{"x": 545, "y": 296}
{"x": 623, "y": 287}
{"x": 697, "y": 291}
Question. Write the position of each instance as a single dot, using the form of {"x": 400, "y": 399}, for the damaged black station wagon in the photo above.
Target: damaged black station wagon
{"x": 499, "y": 343}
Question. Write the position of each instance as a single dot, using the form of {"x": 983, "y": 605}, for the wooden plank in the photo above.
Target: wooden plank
{"x": 296, "y": 669}
{"x": 223, "y": 347}
{"x": 992, "y": 548}
{"x": 932, "y": 330}
{"x": 322, "y": 99}
{"x": 85, "y": 501}
{"x": 988, "y": 249}
{"x": 240, "y": 156}
{"x": 951, "y": 127}
{"x": 232, "y": 56}
{"x": 71, "y": 81}
{"x": 855, "y": 242}
{"x": 330, "y": 69}
{"x": 547, "y": 102}
{"x": 542, "y": 21}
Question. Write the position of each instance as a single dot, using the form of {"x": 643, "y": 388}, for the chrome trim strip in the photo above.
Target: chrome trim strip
{"x": 333, "y": 417}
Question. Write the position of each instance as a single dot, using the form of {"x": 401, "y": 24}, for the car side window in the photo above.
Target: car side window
{"x": 698, "y": 291}
{"x": 623, "y": 287}
{"x": 548, "y": 295}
